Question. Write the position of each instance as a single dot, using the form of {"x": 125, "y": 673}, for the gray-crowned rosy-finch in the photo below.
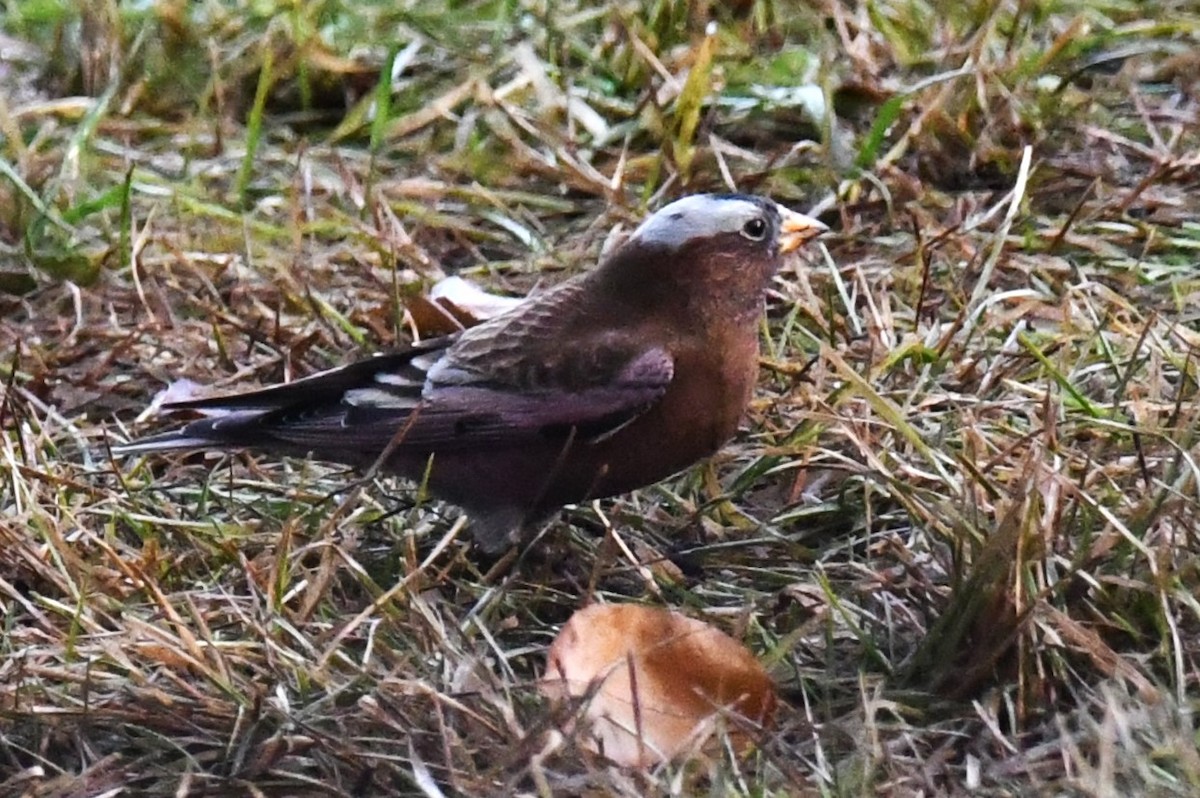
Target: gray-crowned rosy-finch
{"x": 610, "y": 381}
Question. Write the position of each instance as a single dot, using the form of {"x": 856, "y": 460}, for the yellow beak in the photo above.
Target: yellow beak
{"x": 797, "y": 229}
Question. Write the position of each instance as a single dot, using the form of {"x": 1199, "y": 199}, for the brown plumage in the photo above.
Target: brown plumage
{"x": 610, "y": 381}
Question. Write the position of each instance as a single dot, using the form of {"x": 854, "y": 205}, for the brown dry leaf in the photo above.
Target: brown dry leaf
{"x": 430, "y": 319}
{"x": 658, "y": 681}
{"x": 454, "y": 304}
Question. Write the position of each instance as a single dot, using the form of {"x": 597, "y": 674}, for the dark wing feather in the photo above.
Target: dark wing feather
{"x": 510, "y": 380}
{"x": 456, "y": 417}
{"x": 331, "y": 386}
{"x": 469, "y": 416}
{"x": 262, "y": 417}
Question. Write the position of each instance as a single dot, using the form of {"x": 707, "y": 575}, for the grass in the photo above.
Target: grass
{"x": 960, "y": 524}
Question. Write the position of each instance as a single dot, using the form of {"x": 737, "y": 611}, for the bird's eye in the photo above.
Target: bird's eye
{"x": 755, "y": 229}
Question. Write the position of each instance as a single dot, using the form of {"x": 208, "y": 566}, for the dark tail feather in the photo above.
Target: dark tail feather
{"x": 228, "y": 431}
{"x": 167, "y": 442}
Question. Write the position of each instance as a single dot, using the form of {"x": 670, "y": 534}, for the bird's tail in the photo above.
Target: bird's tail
{"x": 226, "y": 431}
{"x": 167, "y": 442}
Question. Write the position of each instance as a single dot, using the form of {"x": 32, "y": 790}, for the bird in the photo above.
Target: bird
{"x": 610, "y": 381}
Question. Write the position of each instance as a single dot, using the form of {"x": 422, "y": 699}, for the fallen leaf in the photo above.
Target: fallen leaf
{"x": 470, "y": 298}
{"x": 180, "y": 390}
{"x": 656, "y": 682}
{"x": 454, "y": 304}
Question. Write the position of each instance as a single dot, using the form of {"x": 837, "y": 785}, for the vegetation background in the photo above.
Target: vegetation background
{"x": 960, "y": 525}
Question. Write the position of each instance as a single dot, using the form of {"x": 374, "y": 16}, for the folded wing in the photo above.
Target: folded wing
{"x": 424, "y": 400}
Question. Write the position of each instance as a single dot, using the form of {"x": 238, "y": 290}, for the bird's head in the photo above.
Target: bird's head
{"x": 706, "y": 244}
{"x": 742, "y": 224}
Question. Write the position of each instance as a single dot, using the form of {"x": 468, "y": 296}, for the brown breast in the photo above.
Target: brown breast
{"x": 698, "y": 414}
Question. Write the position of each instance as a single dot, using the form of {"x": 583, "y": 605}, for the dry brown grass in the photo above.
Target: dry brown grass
{"x": 960, "y": 525}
